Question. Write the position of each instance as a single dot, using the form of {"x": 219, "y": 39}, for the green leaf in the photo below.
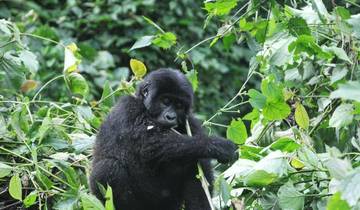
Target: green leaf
{"x": 307, "y": 44}
{"x": 29, "y": 60}
{"x": 30, "y": 199}
{"x": 349, "y": 90}
{"x": 107, "y": 99}
{"x": 142, "y": 42}
{"x": 90, "y": 202}
{"x": 272, "y": 89}
{"x": 224, "y": 189}
{"x": 138, "y": 68}
{"x": 250, "y": 152}
{"x": 228, "y": 41}
{"x": 338, "y": 73}
{"x": 275, "y": 163}
{"x": 290, "y": 198}
{"x": 301, "y": 116}
{"x": 72, "y": 177}
{"x": 257, "y": 100}
{"x": 342, "y": 116}
{"x": 43, "y": 180}
{"x": 336, "y": 203}
{"x": 297, "y": 26}
{"x": 342, "y": 12}
{"x": 220, "y": 7}
{"x": 15, "y": 187}
{"x": 5, "y": 170}
{"x": 253, "y": 115}
{"x": 165, "y": 40}
{"x": 276, "y": 110}
{"x": 339, "y": 52}
{"x": 260, "y": 178}
{"x": 192, "y": 77}
{"x": 45, "y": 126}
{"x": 237, "y": 131}
{"x": 77, "y": 84}
{"x": 285, "y": 144}
{"x": 109, "y": 203}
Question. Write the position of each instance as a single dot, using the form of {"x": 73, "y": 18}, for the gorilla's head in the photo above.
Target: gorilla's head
{"x": 167, "y": 96}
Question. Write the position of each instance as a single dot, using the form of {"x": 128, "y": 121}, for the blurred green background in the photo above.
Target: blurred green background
{"x": 105, "y": 30}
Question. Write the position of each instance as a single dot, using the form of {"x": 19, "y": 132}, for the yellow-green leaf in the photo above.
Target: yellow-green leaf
{"x": 70, "y": 60}
{"x": 15, "y": 188}
{"x": 72, "y": 47}
{"x": 301, "y": 116}
{"x": 297, "y": 164}
{"x": 109, "y": 203}
{"x": 138, "y": 68}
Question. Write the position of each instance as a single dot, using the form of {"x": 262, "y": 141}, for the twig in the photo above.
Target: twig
{"x": 10, "y": 205}
{"x": 204, "y": 182}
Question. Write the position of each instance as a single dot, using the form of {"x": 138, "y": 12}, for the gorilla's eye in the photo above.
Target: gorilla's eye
{"x": 166, "y": 101}
{"x": 179, "y": 105}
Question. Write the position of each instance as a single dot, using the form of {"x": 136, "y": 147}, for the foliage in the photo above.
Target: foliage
{"x": 297, "y": 129}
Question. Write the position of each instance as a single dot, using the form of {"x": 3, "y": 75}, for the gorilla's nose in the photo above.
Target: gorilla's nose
{"x": 170, "y": 117}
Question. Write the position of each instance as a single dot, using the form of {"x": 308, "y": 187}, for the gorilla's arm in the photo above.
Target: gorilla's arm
{"x": 171, "y": 146}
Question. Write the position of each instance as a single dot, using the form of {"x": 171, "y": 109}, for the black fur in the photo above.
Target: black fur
{"x": 154, "y": 168}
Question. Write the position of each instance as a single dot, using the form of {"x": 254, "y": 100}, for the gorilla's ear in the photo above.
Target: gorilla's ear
{"x": 143, "y": 90}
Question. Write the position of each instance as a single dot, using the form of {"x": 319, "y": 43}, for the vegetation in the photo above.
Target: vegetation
{"x": 294, "y": 110}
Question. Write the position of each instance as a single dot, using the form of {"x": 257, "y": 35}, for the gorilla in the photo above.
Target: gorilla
{"x": 147, "y": 164}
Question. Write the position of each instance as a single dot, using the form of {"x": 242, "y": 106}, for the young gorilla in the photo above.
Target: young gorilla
{"x": 147, "y": 164}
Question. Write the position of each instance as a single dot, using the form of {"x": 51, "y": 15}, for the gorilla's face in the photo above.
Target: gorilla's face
{"x": 167, "y": 96}
{"x": 172, "y": 111}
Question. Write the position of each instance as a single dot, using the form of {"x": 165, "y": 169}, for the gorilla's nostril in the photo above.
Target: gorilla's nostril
{"x": 170, "y": 117}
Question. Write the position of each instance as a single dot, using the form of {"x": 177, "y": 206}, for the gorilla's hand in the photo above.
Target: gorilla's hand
{"x": 224, "y": 150}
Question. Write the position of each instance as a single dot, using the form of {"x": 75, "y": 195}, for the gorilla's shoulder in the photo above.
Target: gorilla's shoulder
{"x": 129, "y": 104}
{"x": 127, "y": 110}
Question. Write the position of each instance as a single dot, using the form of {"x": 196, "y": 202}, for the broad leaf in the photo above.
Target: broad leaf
{"x": 15, "y": 187}
{"x": 349, "y": 90}
{"x": 290, "y": 198}
{"x": 276, "y": 110}
{"x": 336, "y": 203}
{"x": 142, "y": 42}
{"x": 237, "y": 131}
{"x": 260, "y": 178}
{"x": 165, "y": 40}
{"x": 297, "y": 26}
{"x": 5, "y": 170}
{"x": 90, "y": 202}
{"x": 342, "y": 116}
{"x": 257, "y": 100}
{"x": 30, "y": 199}
{"x": 192, "y": 77}
{"x": 220, "y": 7}
{"x": 77, "y": 84}
{"x": 138, "y": 68}
{"x": 285, "y": 144}
{"x": 301, "y": 116}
